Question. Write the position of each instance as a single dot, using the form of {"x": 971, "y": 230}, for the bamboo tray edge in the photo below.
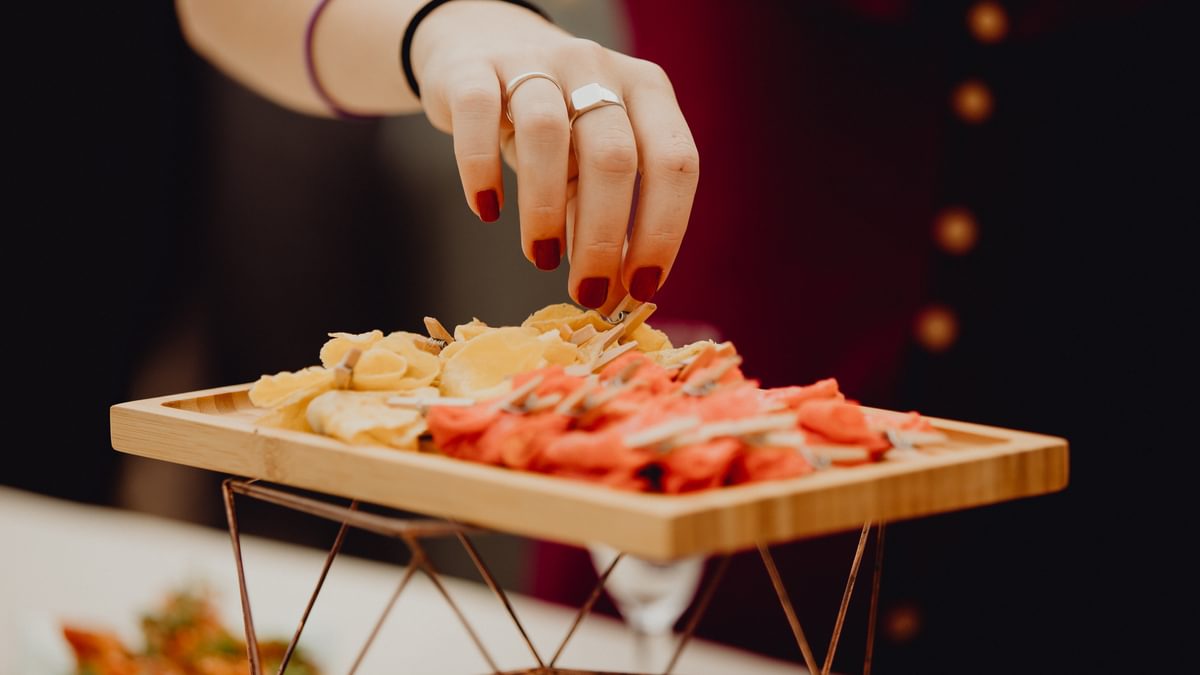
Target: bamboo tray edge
{"x": 213, "y": 429}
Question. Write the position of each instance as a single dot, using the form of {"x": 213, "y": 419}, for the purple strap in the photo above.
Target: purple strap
{"x": 311, "y": 65}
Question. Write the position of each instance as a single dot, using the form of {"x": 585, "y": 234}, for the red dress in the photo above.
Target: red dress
{"x": 827, "y": 148}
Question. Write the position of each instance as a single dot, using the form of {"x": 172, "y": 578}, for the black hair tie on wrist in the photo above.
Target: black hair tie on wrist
{"x": 406, "y": 43}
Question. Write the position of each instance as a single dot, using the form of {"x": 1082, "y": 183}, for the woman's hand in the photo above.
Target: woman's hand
{"x": 577, "y": 181}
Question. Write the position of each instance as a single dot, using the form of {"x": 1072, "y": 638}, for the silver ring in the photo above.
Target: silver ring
{"x": 511, "y": 87}
{"x": 589, "y": 97}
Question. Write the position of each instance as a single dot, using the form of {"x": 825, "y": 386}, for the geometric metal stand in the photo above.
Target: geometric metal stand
{"x": 412, "y": 531}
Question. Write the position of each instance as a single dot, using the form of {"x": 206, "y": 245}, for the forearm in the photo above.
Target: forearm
{"x": 260, "y": 43}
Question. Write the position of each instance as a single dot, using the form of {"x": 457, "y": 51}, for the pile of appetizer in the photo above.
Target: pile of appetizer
{"x": 577, "y": 394}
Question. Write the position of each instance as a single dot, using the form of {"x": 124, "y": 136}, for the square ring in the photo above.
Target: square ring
{"x": 592, "y": 96}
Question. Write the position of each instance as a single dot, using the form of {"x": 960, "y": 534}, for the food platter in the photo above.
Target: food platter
{"x": 977, "y": 465}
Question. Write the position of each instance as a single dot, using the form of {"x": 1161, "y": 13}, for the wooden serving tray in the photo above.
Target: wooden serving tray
{"x": 214, "y": 429}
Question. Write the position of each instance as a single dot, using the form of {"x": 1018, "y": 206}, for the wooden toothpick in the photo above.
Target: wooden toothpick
{"x": 424, "y": 403}
{"x": 437, "y": 331}
{"x": 427, "y": 344}
{"x": 516, "y": 397}
{"x": 705, "y": 381}
{"x": 343, "y": 372}
{"x": 622, "y": 310}
{"x": 569, "y": 405}
{"x": 701, "y": 360}
{"x": 610, "y": 355}
{"x": 660, "y": 433}
{"x": 583, "y": 334}
{"x": 635, "y": 318}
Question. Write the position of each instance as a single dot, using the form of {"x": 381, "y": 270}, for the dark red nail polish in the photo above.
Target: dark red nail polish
{"x": 645, "y": 283}
{"x": 488, "y": 203}
{"x": 546, "y": 254}
{"x": 593, "y": 291}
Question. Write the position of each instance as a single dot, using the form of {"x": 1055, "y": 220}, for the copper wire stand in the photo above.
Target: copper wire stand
{"x": 412, "y": 531}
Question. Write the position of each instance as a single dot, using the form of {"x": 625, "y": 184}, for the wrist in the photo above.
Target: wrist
{"x": 461, "y": 26}
{"x": 353, "y": 51}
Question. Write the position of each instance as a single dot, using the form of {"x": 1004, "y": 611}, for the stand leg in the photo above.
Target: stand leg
{"x": 491, "y": 582}
{"x": 411, "y": 531}
{"x": 312, "y": 599}
{"x": 701, "y": 607}
{"x": 247, "y": 618}
{"x": 841, "y": 615}
{"x": 431, "y": 574}
{"x": 586, "y": 608}
{"x": 872, "y": 616}
{"x": 810, "y": 661}
{"x": 387, "y": 609}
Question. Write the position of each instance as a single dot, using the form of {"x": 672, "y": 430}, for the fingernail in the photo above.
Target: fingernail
{"x": 593, "y": 291}
{"x": 546, "y": 254}
{"x": 645, "y": 283}
{"x": 488, "y": 203}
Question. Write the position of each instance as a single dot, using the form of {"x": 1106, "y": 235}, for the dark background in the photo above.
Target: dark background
{"x": 172, "y": 231}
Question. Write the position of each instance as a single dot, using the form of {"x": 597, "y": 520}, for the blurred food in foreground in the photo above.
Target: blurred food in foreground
{"x": 183, "y": 637}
